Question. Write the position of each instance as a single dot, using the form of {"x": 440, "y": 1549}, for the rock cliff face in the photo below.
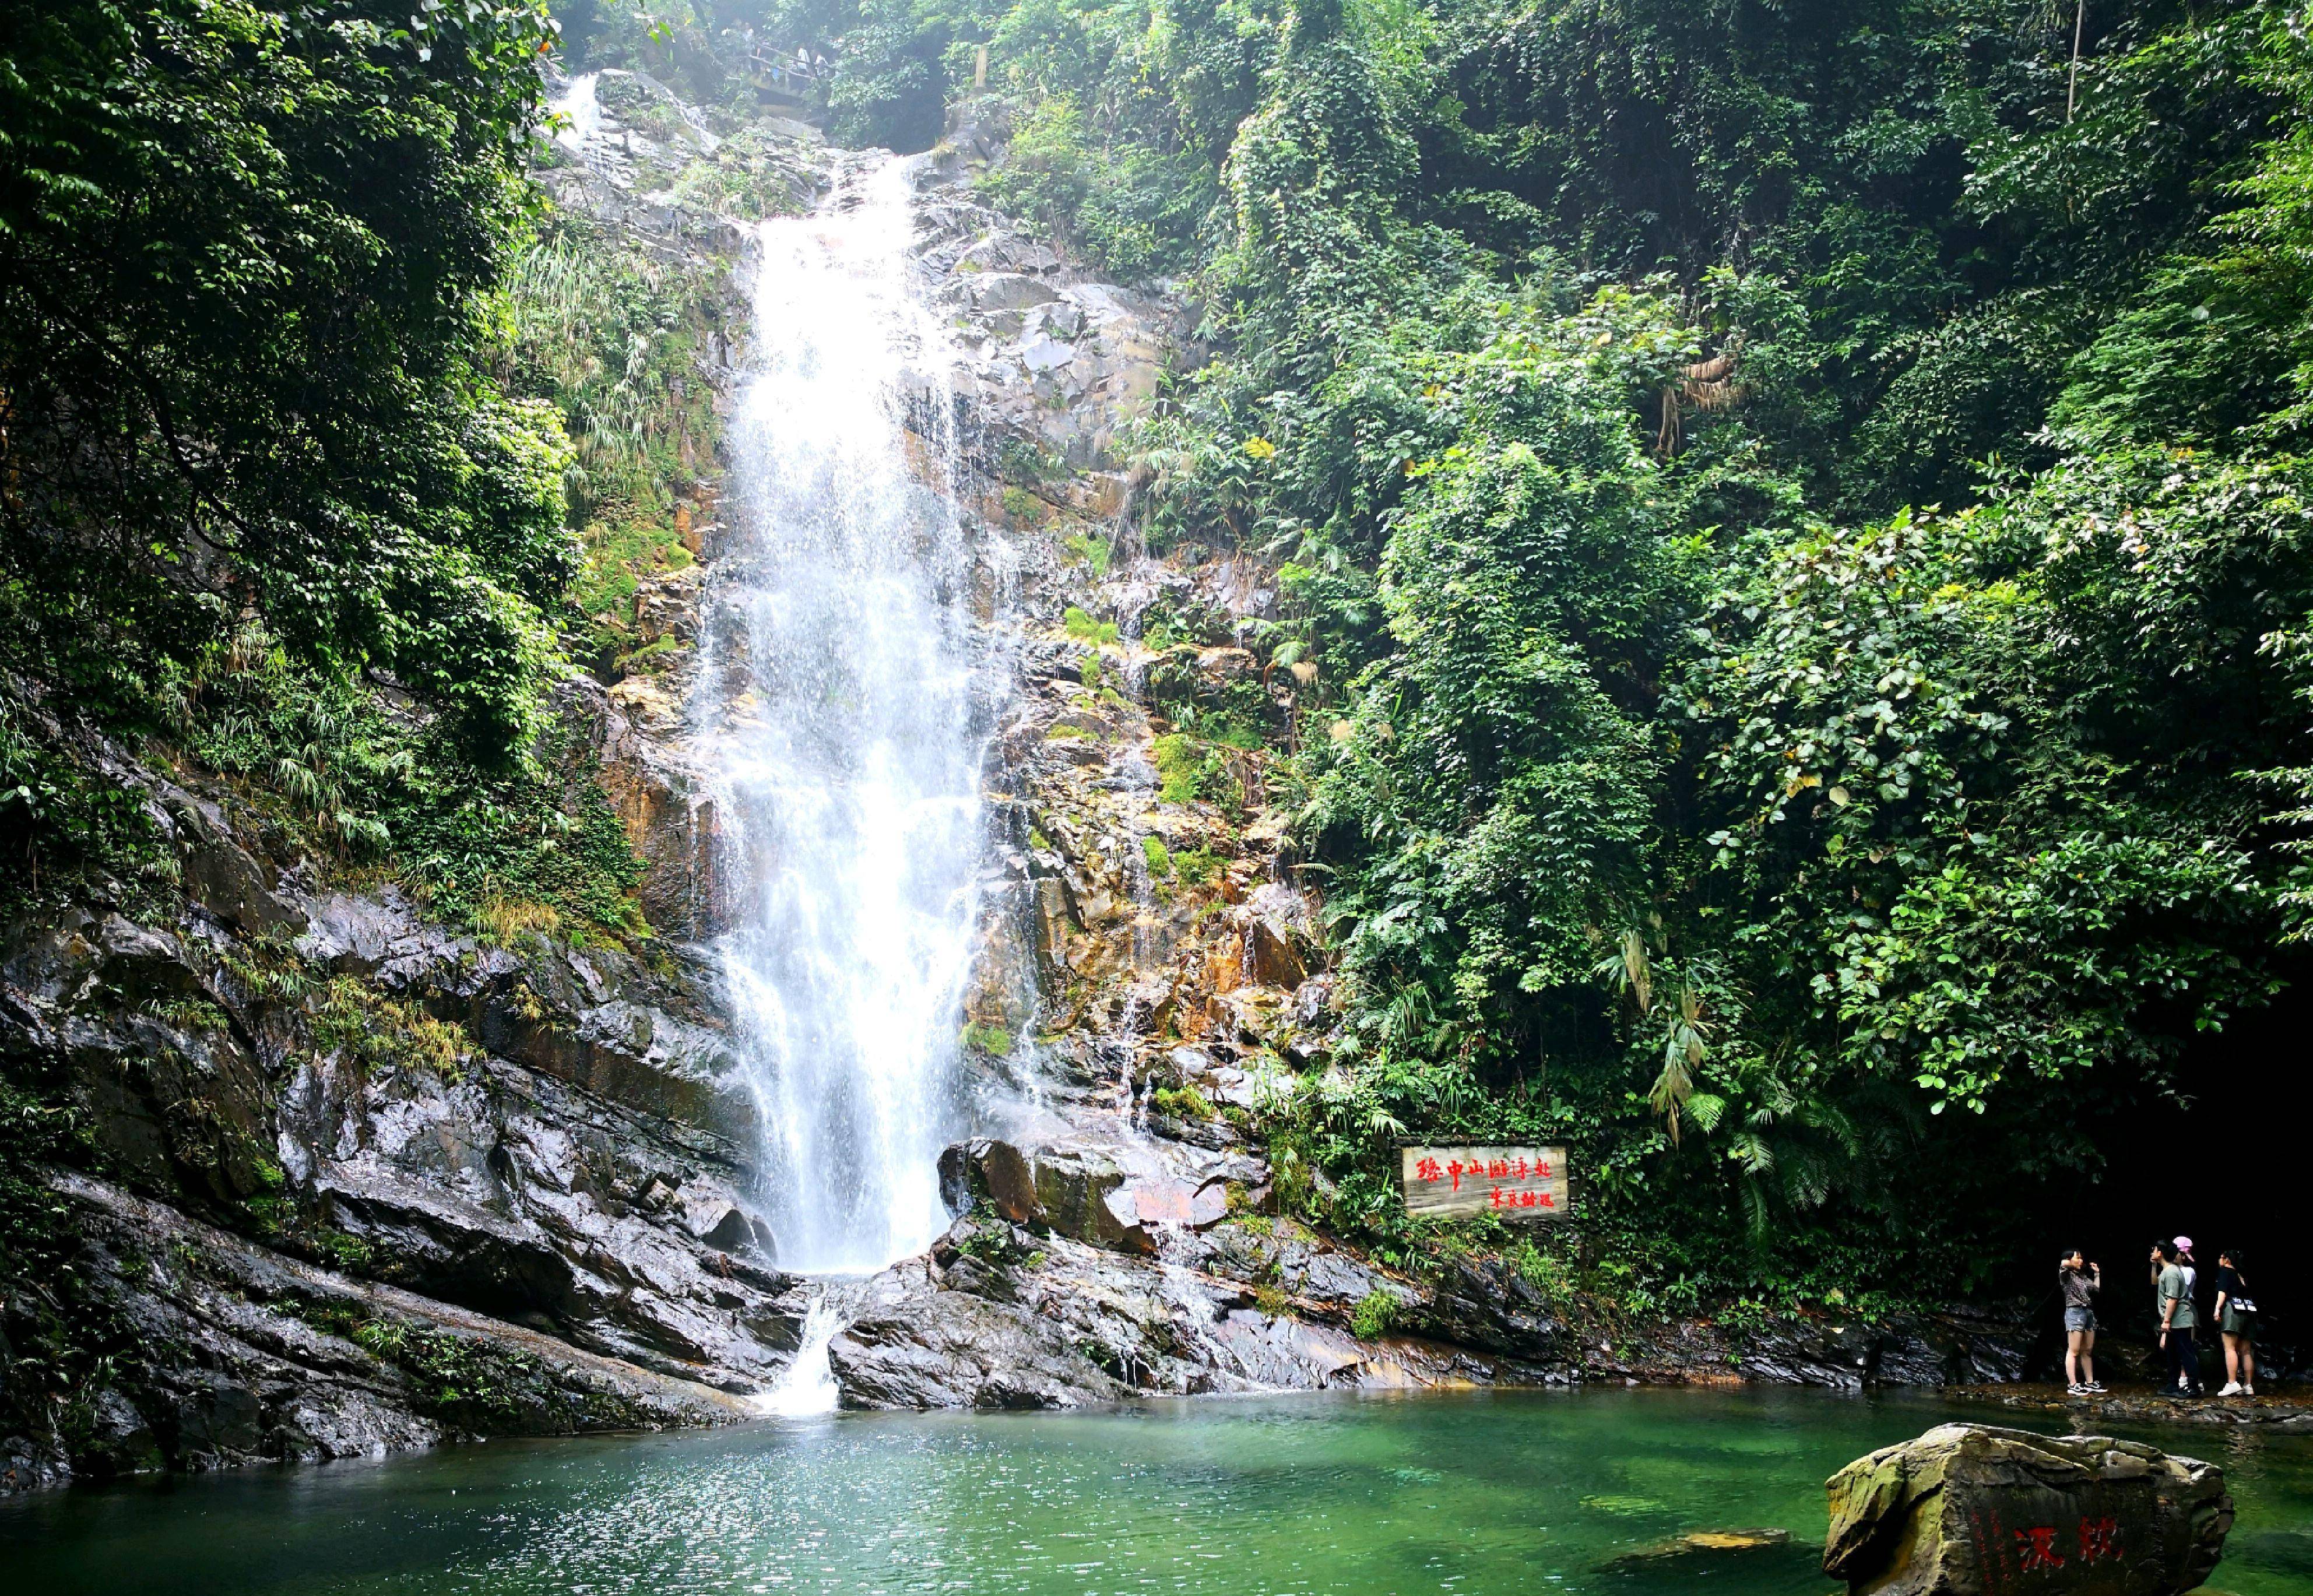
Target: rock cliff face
{"x": 370, "y": 1184}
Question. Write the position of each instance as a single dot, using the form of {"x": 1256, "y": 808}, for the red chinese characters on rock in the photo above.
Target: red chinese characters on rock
{"x": 2038, "y": 1546}
{"x": 2099, "y": 1542}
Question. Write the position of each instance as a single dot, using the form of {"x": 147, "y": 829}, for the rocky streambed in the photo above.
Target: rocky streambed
{"x": 368, "y": 1182}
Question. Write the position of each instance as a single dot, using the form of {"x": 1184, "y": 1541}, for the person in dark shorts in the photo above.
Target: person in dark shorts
{"x": 2172, "y": 1303}
{"x": 2237, "y": 1324}
{"x": 2080, "y": 1281}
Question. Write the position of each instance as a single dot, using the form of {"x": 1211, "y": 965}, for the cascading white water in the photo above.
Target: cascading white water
{"x": 808, "y": 1388}
{"x": 580, "y": 111}
{"x": 840, "y": 731}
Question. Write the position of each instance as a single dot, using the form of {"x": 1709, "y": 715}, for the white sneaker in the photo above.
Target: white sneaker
{"x": 2249, "y": 1391}
{"x": 2232, "y": 1389}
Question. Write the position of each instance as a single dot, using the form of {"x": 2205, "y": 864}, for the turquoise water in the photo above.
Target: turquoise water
{"x": 1477, "y": 1493}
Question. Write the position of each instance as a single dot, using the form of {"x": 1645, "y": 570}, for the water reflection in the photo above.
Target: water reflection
{"x": 1303, "y": 1496}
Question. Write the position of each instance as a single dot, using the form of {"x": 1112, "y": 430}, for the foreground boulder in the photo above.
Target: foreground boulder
{"x": 1968, "y": 1509}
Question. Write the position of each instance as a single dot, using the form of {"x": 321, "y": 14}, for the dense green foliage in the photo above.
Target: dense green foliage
{"x": 1796, "y": 513}
{"x": 244, "y": 254}
{"x": 1791, "y": 517}
{"x": 615, "y": 337}
{"x": 289, "y": 469}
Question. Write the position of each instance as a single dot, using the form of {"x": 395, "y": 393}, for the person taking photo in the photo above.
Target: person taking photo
{"x": 2080, "y": 1281}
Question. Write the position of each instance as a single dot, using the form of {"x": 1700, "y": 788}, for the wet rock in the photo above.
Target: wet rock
{"x": 1127, "y": 1226}
{"x": 998, "y": 1317}
{"x": 27, "y": 1465}
{"x": 1074, "y": 1190}
{"x": 731, "y": 1229}
{"x": 1008, "y": 253}
{"x": 1968, "y": 1509}
{"x": 249, "y": 1355}
{"x": 1270, "y": 959}
{"x": 911, "y": 1345}
{"x": 218, "y": 873}
{"x": 1702, "y": 1546}
{"x": 647, "y": 1038}
{"x": 513, "y": 1195}
{"x": 152, "y": 1050}
{"x": 1007, "y": 291}
{"x": 993, "y": 1170}
{"x": 1482, "y": 1303}
{"x": 1040, "y": 351}
{"x": 1956, "y": 1347}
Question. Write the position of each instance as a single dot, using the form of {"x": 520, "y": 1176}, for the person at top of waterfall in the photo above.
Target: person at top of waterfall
{"x": 2080, "y": 1281}
{"x": 2235, "y": 1324}
{"x": 2172, "y": 1301}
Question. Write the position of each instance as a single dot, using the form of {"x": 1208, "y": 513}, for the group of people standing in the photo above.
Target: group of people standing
{"x": 2175, "y": 1317}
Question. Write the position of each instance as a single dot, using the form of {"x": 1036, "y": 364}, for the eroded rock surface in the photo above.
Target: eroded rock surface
{"x": 531, "y": 1141}
{"x": 252, "y": 1356}
{"x": 1072, "y": 1305}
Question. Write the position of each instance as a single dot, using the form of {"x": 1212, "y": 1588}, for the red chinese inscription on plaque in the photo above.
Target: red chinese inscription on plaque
{"x": 1519, "y": 1183}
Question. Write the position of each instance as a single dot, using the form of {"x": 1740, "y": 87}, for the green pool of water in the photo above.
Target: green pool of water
{"x": 1477, "y": 1493}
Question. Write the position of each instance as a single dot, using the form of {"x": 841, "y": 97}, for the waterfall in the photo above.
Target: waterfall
{"x": 808, "y": 1387}
{"x": 581, "y": 111}
{"x": 840, "y": 732}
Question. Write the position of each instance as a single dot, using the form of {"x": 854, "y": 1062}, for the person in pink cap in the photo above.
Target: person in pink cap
{"x": 2172, "y": 1303}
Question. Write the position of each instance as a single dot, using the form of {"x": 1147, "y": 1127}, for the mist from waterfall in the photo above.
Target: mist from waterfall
{"x": 839, "y": 730}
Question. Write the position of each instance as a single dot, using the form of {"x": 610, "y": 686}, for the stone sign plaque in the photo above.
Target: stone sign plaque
{"x": 1518, "y": 1182}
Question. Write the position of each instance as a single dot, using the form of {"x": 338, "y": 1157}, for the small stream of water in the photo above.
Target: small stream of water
{"x": 809, "y": 1386}
{"x": 580, "y": 111}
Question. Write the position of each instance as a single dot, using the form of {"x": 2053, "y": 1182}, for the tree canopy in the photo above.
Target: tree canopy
{"x": 246, "y": 259}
